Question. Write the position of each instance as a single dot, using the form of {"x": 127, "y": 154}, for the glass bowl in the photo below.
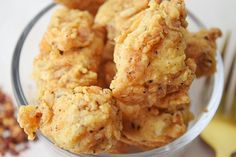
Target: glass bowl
{"x": 205, "y": 93}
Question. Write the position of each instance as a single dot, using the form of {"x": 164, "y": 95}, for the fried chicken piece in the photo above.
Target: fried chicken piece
{"x": 69, "y": 29}
{"x": 82, "y": 120}
{"x": 149, "y": 55}
{"x": 201, "y": 47}
{"x": 91, "y": 5}
{"x": 67, "y": 69}
{"x": 151, "y": 127}
{"x": 109, "y": 10}
{"x": 75, "y": 117}
{"x": 77, "y": 66}
{"x": 116, "y": 14}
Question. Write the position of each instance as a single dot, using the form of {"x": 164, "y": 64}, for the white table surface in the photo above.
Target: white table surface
{"x": 15, "y": 15}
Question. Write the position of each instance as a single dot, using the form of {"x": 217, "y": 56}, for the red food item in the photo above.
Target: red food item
{"x": 12, "y": 138}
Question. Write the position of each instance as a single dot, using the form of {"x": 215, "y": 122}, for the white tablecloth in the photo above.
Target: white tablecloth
{"x": 15, "y": 15}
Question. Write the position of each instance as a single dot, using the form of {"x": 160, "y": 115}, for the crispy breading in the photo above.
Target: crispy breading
{"x": 109, "y": 10}
{"x": 91, "y": 5}
{"x": 151, "y": 127}
{"x": 77, "y": 118}
{"x": 67, "y": 70}
{"x": 83, "y": 120}
{"x": 70, "y": 29}
{"x": 145, "y": 56}
{"x": 201, "y": 47}
{"x": 54, "y": 68}
{"x": 149, "y": 56}
{"x": 117, "y": 14}
{"x": 121, "y": 17}
{"x": 155, "y": 126}
{"x": 154, "y": 76}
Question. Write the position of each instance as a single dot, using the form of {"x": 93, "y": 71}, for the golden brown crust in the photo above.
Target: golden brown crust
{"x": 75, "y": 117}
{"x": 201, "y": 47}
{"x": 149, "y": 56}
{"x": 149, "y": 76}
{"x": 69, "y": 30}
{"x": 151, "y": 127}
{"x": 83, "y": 120}
{"x": 65, "y": 62}
{"x": 116, "y": 15}
{"x": 153, "y": 76}
{"x": 90, "y": 5}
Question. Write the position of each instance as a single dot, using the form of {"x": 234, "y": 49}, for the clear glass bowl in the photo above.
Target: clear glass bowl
{"x": 205, "y": 92}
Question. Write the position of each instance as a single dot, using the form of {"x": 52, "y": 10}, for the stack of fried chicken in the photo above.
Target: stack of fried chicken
{"x": 115, "y": 74}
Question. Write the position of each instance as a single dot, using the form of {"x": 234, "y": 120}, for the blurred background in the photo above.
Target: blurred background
{"x": 15, "y": 15}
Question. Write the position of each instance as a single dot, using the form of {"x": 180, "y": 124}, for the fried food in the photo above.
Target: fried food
{"x": 202, "y": 48}
{"x": 109, "y": 10}
{"x": 154, "y": 77}
{"x": 149, "y": 56}
{"x": 67, "y": 69}
{"x": 70, "y": 29}
{"x": 77, "y": 118}
{"x": 83, "y": 120}
{"x": 77, "y": 66}
{"x": 91, "y": 5}
{"x": 116, "y": 15}
{"x": 152, "y": 128}
{"x": 145, "y": 56}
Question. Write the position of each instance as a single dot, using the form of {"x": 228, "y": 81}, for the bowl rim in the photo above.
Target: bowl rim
{"x": 180, "y": 142}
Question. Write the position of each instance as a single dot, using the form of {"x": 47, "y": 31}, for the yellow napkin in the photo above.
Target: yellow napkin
{"x": 220, "y": 134}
